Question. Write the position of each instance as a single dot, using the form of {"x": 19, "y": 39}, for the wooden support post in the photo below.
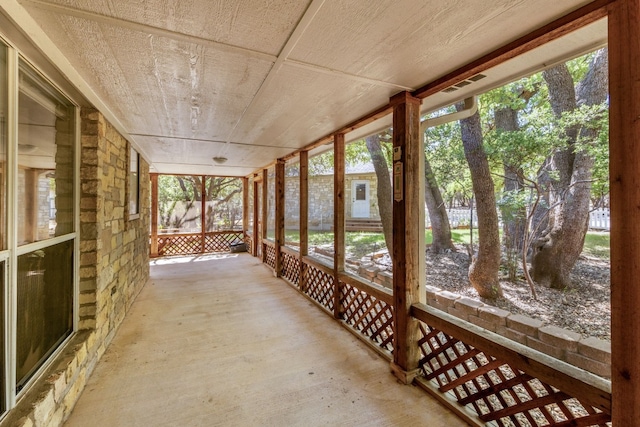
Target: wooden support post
{"x": 304, "y": 203}
{"x": 279, "y": 231}
{"x": 265, "y": 211}
{"x": 304, "y": 215}
{"x": 408, "y": 233}
{"x": 257, "y": 213}
{"x": 338, "y": 219}
{"x": 245, "y": 207}
{"x": 154, "y": 215}
{"x": 203, "y": 213}
{"x": 624, "y": 158}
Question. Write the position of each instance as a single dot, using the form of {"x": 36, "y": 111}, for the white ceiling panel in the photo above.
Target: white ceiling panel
{"x": 297, "y": 108}
{"x": 263, "y": 26}
{"x": 409, "y": 42}
{"x": 196, "y": 156}
{"x": 157, "y": 85}
{"x": 253, "y": 80}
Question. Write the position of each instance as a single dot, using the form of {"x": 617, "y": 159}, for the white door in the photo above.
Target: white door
{"x": 360, "y": 205}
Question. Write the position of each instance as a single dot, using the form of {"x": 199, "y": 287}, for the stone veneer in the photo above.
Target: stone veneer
{"x": 589, "y": 353}
{"x": 114, "y": 266}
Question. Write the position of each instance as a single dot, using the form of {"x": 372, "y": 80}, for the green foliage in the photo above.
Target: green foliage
{"x": 180, "y": 197}
{"x": 445, "y": 153}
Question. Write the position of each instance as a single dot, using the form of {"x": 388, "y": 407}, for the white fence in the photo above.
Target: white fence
{"x": 458, "y": 217}
{"x": 599, "y": 219}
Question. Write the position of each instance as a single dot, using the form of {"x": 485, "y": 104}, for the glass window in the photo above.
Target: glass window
{"x": 320, "y": 214}
{"x": 179, "y": 204}
{"x": 2, "y": 339}
{"x": 250, "y": 207}
{"x": 223, "y": 204}
{"x": 3, "y": 146}
{"x": 292, "y": 204}
{"x": 368, "y": 206}
{"x": 134, "y": 182}
{"x": 44, "y": 306}
{"x": 45, "y": 160}
{"x": 271, "y": 203}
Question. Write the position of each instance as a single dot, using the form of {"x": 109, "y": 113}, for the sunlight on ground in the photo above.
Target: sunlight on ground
{"x": 186, "y": 259}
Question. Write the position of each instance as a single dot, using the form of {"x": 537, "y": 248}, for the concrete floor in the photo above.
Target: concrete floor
{"x": 218, "y": 341}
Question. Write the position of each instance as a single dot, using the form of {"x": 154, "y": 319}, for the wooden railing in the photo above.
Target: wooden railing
{"x": 197, "y": 243}
{"x": 503, "y": 382}
{"x": 486, "y": 378}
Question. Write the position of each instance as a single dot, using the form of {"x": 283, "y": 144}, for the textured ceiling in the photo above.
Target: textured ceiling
{"x": 254, "y": 80}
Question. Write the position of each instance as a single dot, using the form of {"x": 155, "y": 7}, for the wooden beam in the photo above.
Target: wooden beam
{"x": 304, "y": 203}
{"x": 245, "y": 205}
{"x": 304, "y": 217}
{"x": 408, "y": 233}
{"x": 624, "y": 158}
{"x": 265, "y": 212}
{"x": 203, "y": 212}
{"x": 257, "y": 237}
{"x": 154, "y": 214}
{"x": 279, "y": 212}
{"x": 338, "y": 219}
{"x": 560, "y": 27}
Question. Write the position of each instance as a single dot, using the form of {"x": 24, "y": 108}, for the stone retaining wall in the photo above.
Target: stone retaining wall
{"x": 591, "y": 354}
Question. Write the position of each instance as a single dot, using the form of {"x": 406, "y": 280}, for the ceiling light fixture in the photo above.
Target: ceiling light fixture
{"x": 220, "y": 160}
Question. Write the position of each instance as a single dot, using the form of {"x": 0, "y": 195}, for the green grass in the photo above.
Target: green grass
{"x": 596, "y": 244}
{"x": 361, "y": 243}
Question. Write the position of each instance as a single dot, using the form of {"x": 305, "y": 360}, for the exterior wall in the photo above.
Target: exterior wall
{"x": 321, "y": 200}
{"x": 114, "y": 266}
{"x": 374, "y": 212}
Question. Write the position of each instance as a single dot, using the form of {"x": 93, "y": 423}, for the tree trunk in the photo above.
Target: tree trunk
{"x": 483, "y": 272}
{"x": 385, "y": 205}
{"x": 514, "y": 213}
{"x": 513, "y": 217}
{"x": 440, "y": 228}
{"x": 558, "y": 249}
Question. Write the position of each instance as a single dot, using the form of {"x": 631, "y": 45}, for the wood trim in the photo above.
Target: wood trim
{"x": 338, "y": 218}
{"x": 290, "y": 251}
{"x": 255, "y": 241}
{"x": 264, "y": 213}
{"x": 408, "y": 232}
{"x": 383, "y": 294}
{"x": 581, "y": 384}
{"x": 154, "y": 214}
{"x": 577, "y": 19}
{"x": 245, "y": 204}
{"x": 279, "y": 213}
{"x": 317, "y": 264}
{"x": 304, "y": 203}
{"x": 203, "y": 209}
{"x": 624, "y": 158}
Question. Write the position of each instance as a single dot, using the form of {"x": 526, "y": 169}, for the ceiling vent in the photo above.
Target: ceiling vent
{"x": 464, "y": 83}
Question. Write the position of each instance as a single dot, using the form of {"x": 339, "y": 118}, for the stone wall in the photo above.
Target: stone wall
{"x": 588, "y": 353}
{"x": 321, "y": 200}
{"x": 114, "y": 266}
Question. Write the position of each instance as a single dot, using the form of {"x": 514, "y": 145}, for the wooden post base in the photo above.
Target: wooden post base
{"x": 405, "y": 377}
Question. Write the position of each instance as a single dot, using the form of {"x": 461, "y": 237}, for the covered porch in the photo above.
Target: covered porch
{"x": 217, "y": 340}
